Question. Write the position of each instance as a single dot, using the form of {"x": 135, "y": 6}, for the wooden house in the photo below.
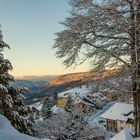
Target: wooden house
{"x": 83, "y": 105}
{"x": 118, "y": 117}
{"x": 62, "y": 101}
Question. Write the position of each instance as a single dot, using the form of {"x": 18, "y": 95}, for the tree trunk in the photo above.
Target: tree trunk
{"x": 133, "y": 63}
{"x": 137, "y": 72}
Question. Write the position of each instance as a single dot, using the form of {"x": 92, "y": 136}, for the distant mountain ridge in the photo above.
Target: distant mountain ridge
{"x": 46, "y": 78}
{"x": 67, "y": 81}
{"x": 81, "y": 77}
{"x": 69, "y": 78}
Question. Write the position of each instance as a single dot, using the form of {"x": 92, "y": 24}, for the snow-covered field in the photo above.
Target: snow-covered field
{"x": 74, "y": 91}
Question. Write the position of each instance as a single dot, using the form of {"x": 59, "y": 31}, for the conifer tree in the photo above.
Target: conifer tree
{"x": 69, "y": 105}
{"x": 48, "y": 103}
{"x": 11, "y": 98}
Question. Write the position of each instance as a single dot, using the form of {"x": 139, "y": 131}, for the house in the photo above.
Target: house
{"x": 61, "y": 101}
{"x": 118, "y": 117}
{"x": 84, "y": 105}
{"x": 110, "y": 94}
{"x": 57, "y": 109}
{"x": 99, "y": 98}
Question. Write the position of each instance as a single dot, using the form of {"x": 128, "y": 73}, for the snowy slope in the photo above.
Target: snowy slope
{"x": 7, "y": 132}
{"x": 74, "y": 91}
{"x": 125, "y": 134}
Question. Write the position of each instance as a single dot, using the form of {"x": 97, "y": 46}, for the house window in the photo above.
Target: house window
{"x": 111, "y": 125}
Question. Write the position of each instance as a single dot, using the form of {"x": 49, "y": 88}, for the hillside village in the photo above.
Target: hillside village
{"x": 98, "y": 98}
{"x": 106, "y": 110}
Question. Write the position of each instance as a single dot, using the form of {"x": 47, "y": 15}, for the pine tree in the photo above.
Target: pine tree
{"x": 69, "y": 105}
{"x": 12, "y": 98}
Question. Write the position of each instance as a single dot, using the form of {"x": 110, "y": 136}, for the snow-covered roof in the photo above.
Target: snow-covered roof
{"x": 108, "y": 90}
{"x": 56, "y": 110}
{"x": 125, "y": 134}
{"x": 100, "y": 95}
{"x": 37, "y": 105}
{"x": 88, "y": 104}
{"x": 82, "y": 97}
{"x": 119, "y": 111}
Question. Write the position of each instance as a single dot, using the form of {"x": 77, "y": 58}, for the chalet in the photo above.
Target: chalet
{"x": 57, "y": 109}
{"x": 118, "y": 117}
{"x": 99, "y": 98}
{"x": 84, "y": 105}
{"x": 110, "y": 94}
{"x": 61, "y": 101}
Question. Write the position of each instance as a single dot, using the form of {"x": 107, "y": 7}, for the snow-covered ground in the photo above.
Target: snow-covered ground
{"x": 94, "y": 119}
{"x": 8, "y": 132}
{"x": 74, "y": 91}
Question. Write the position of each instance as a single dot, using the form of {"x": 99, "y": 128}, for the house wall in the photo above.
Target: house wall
{"x": 77, "y": 100}
{"x": 61, "y": 101}
{"x": 111, "y": 125}
{"x": 99, "y": 102}
{"x": 122, "y": 124}
{"x": 116, "y": 125}
{"x": 110, "y": 96}
{"x": 84, "y": 107}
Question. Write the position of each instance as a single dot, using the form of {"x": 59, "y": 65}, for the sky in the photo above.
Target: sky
{"x": 29, "y": 27}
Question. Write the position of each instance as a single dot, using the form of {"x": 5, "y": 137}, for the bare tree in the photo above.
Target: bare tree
{"x": 69, "y": 126}
{"x": 106, "y": 33}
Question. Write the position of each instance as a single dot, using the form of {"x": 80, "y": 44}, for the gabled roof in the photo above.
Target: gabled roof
{"x": 37, "y": 106}
{"x": 87, "y": 102}
{"x": 99, "y": 95}
{"x": 119, "y": 111}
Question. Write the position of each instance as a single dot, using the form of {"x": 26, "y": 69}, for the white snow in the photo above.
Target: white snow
{"x": 7, "y": 132}
{"x": 125, "y": 134}
{"x": 3, "y": 88}
{"x": 74, "y": 91}
{"x": 117, "y": 111}
{"x": 99, "y": 95}
{"x": 57, "y": 110}
{"x": 37, "y": 105}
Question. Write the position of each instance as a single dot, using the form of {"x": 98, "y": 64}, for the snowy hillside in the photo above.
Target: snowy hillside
{"x": 76, "y": 90}
{"x": 7, "y": 132}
